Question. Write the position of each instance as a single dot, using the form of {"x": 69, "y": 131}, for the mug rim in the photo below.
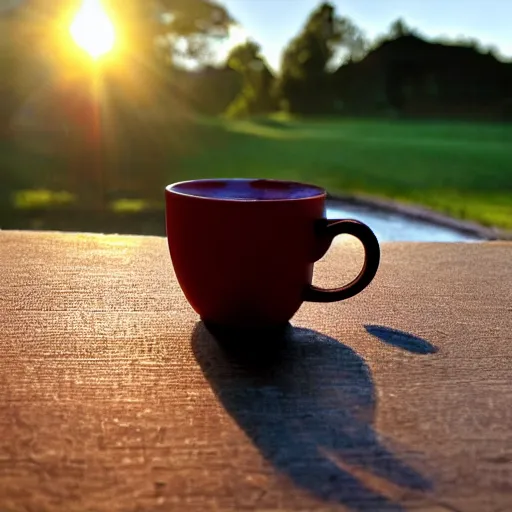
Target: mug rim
{"x": 322, "y": 193}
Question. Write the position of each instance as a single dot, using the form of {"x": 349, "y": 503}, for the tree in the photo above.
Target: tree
{"x": 145, "y": 103}
{"x": 304, "y": 85}
{"x": 399, "y": 28}
{"x": 151, "y": 32}
{"x": 469, "y": 42}
{"x": 352, "y": 40}
{"x": 171, "y": 28}
{"x": 144, "y": 23}
{"x": 257, "y": 79}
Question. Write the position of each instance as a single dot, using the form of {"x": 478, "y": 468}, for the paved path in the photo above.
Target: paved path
{"x": 394, "y": 227}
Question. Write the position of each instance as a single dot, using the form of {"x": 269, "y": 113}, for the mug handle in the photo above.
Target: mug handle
{"x": 328, "y": 231}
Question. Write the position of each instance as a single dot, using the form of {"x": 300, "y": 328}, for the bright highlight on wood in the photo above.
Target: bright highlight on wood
{"x": 92, "y": 30}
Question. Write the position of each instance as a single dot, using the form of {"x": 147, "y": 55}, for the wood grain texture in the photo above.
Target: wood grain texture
{"x": 114, "y": 398}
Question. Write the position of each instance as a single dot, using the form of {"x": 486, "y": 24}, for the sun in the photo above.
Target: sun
{"x": 92, "y": 30}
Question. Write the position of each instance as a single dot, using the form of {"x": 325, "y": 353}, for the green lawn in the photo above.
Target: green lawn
{"x": 462, "y": 169}
{"x": 458, "y": 168}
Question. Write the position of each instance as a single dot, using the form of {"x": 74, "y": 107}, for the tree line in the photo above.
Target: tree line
{"x": 329, "y": 67}
{"x": 148, "y": 99}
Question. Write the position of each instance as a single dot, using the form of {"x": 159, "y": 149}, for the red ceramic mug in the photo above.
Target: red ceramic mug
{"x": 243, "y": 250}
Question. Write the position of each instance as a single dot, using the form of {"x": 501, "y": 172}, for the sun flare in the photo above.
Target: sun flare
{"x": 92, "y": 30}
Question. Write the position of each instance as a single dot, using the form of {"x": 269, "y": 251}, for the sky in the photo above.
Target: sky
{"x": 272, "y": 23}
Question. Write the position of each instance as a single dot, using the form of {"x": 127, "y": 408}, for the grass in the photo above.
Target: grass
{"x": 462, "y": 169}
{"x": 41, "y": 198}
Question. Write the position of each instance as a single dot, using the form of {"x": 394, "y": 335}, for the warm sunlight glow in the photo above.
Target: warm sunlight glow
{"x": 92, "y": 29}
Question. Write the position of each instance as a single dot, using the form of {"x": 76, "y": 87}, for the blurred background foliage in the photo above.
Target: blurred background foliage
{"x": 400, "y": 116}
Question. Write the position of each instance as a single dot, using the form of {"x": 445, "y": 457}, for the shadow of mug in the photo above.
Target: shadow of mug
{"x": 307, "y": 402}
